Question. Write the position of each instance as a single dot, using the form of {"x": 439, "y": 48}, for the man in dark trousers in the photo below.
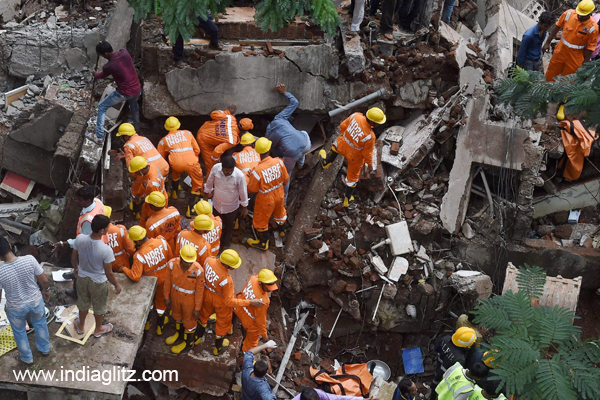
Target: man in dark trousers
{"x": 210, "y": 28}
{"x": 120, "y": 66}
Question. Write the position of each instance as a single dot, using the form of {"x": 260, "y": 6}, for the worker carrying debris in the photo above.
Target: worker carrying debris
{"x": 577, "y": 43}
{"x": 151, "y": 259}
{"x": 254, "y": 320}
{"x": 578, "y": 141}
{"x": 220, "y": 298}
{"x": 183, "y": 292}
{"x": 289, "y": 143}
{"x": 182, "y": 150}
{"x": 194, "y": 236}
{"x": 135, "y": 145}
{"x": 219, "y": 135}
{"x": 247, "y": 158}
{"x": 120, "y": 66}
{"x": 213, "y": 236}
{"x": 149, "y": 179}
{"x": 165, "y": 221}
{"x": 453, "y": 349}
{"x": 118, "y": 240}
{"x": 268, "y": 179}
{"x": 355, "y": 143}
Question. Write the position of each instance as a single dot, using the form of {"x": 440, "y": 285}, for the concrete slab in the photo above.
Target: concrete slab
{"x": 353, "y": 51}
{"x": 113, "y": 352}
{"x": 580, "y": 195}
{"x": 253, "y": 260}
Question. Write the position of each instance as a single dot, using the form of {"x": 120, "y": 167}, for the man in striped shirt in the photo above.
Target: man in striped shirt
{"x": 19, "y": 277}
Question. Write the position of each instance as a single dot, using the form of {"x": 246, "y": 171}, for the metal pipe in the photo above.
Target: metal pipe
{"x": 17, "y": 225}
{"x": 378, "y": 301}
{"x": 487, "y": 190}
{"x": 335, "y": 323}
{"x": 358, "y": 102}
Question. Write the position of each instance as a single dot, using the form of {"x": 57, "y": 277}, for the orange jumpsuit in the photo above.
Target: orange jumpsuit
{"x": 268, "y": 178}
{"x": 214, "y": 237}
{"x": 182, "y": 150}
{"x": 198, "y": 241}
{"x": 185, "y": 290}
{"x": 217, "y": 136}
{"x": 254, "y": 319}
{"x": 356, "y": 144}
{"x": 165, "y": 223}
{"x": 151, "y": 260}
{"x": 151, "y": 182}
{"x": 121, "y": 245}
{"x": 577, "y": 36}
{"x": 219, "y": 297}
{"x": 141, "y": 146}
{"x": 246, "y": 160}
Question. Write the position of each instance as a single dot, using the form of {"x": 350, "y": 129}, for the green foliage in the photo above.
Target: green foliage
{"x": 538, "y": 351}
{"x": 178, "y": 16}
{"x": 529, "y": 93}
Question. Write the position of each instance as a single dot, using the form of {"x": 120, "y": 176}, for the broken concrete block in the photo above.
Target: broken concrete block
{"x": 413, "y": 94}
{"x": 399, "y": 267}
{"x": 353, "y": 52}
{"x": 471, "y": 78}
{"x": 313, "y": 59}
{"x": 474, "y": 284}
{"x": 75, "y": 59}
{"x": 349, "y": 250}
{"x": 379, "y": 265}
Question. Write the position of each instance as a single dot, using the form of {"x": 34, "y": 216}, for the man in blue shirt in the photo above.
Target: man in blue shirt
{"x": 288, "y": 143}
{"x": 254, "y": 383}
{"x": 530, "y": 52}
{"x": 406, "y": 390}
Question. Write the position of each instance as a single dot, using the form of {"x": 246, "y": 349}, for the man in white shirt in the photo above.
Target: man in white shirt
{"x": 230, "y": 195}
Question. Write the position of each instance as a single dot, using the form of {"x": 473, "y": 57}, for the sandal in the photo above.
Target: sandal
{"x": 94, "y": 138}
{"x": 76, "y": 328}
{"x": 109, "y": 328}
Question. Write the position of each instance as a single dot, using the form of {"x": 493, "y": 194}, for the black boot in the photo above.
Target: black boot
{"x": 283, "y": 228}
{"x": 188, "y": 343}
{"x": 349, "y": 198}
{"x": 194, "y": 199}
{"x": 261, "y": 242}
{"x": 221, "y": 345}
{"x": 200, "y": 329}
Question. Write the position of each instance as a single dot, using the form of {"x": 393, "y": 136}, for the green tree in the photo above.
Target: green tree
{"x": 178, "y": 15}
{"x": 529, "y": 93}
{"x": 540, "y": 354}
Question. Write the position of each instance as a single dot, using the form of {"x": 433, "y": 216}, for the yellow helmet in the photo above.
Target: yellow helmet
{"x": 203, "y": 207}
{"x": 136, "y": 233}
{"x": 262, "y": 145}
{"x": 231, "y": 258}
{"x": 585, "y": 7}
{"x": 464, "y": 337}
{"x": 247, "y": 138}
{"x": 137, "y": 163}
{"x": 156, "y": 199}
{"x": 188, "y": 253}
{"x": 172, "y": 124}
{"x": 376, "y": 115}
{"x": 126, "y": 129}
{"x": 203, "y": 223}
{"x": 489, "y": 359}
{"x": 108, "y": 211}
{"x": 267, "y": 277}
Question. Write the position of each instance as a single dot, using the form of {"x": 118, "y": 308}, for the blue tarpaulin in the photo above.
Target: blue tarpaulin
{"x": 413, "y": 361}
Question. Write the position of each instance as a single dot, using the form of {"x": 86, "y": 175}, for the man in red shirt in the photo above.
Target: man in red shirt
{"x": 120, "y": 67}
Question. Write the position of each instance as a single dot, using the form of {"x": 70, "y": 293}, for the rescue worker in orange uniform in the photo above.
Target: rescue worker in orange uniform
{"x": 254, "y": 320}
{"x": 150, "y": 180}
{"x": 578, "y": 41}
{"x": 182, "y": 150}
{"x": 213, "y": 237}
{"x": 219, "y": 297}
{"x": 268, "y": 178}
{"x": 200, "y": 226}
{"x": 165, "y": 221}
{"x": 218, "y": 135}
{"x": 135, "y": 145}
{"x": 247, "y": 158}
{"x": 184, "y": 292}
{"x": 118, "y": 240}
{"x": 355, "y": 143}
{"x": 151, "y": 259}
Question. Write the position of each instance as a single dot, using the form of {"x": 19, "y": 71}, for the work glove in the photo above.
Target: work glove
{"x": 271, "y": 344}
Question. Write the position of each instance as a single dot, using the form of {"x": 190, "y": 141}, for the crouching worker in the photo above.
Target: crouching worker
{"x": 254, "y": 382}
{"x": 184, "y": 291}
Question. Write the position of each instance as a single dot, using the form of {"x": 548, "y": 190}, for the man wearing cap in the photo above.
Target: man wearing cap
{"x": 254, "y": 320}
{"x": 149, "y": 180}
{"x": 289, "y": 143}
{"x": 183, "y": 292}
{"x": 578, "y": 41}
{"x": 219, "y": 297}
{"x": 213, "y": 237}
{"x": 151, "y": 259}
{"x": 136, "y": 145}
{"x": 182, "y": 150}
{"x": 118, "y": 240}
{"x": 268, "y": 179}
{"x": 355, "y": 144}
{"x": 247, "y": 158}
{"x": 230, "y": 195}
{"x": 451, "y": 350}
{"x": 165, "y": 221}
{"x": 194, "y": 236}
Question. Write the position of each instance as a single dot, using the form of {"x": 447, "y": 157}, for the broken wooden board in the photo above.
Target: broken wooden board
{"x": 17, "y": 185}
{"x": 67, "y": 330}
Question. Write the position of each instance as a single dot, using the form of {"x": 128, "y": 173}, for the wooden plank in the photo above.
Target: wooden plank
{"x": 67, "y": 329}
